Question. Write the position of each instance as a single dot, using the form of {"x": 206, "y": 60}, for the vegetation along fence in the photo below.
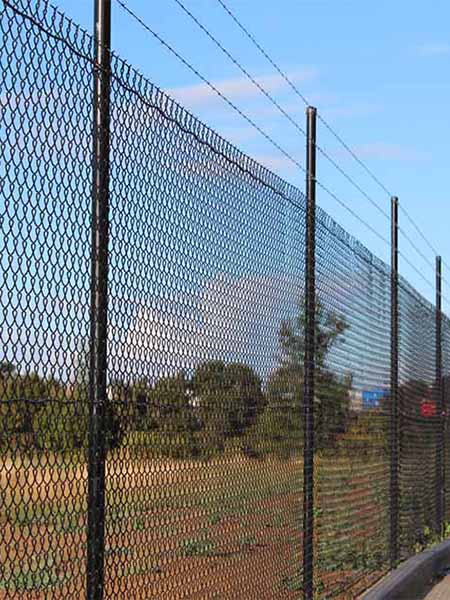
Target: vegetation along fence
{"x": 208, "y": 389}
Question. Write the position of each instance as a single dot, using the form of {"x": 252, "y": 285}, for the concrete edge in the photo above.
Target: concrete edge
{"x": 412, "y": 579}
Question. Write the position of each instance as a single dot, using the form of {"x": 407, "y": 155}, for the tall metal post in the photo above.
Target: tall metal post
{"x": 394, "y": 413}
{"x": 99, "y": 302}
{"x": 309, "y": 366}
{"x": 440, "y": 451}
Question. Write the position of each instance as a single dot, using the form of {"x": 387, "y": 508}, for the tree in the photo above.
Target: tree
{"x": 62, "y": 422}
{"x": 7, "y": 369}
{"x": 164, "y": 417}
{"x": 419, "y": 439}
{"x": 228, "y": 397}
{"x": 40, "y": 413}
{"x": 281, "y": 426}
{"x": 115, "y": 409}
{"x": 150, "y": 406}
{"x": 62, "y": 425}
{"x": 279, "y": 429}
{"x": 145, "y": 410}
{"x": 194, "y": 416}
{"x": 26, "y": 397}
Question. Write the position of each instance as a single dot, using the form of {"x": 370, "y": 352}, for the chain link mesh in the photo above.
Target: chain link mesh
{"x": 419, "y": 421}
{"x": 446, "y": 407}
{"x": 351, "y": 420}
{"x": 203, "y": 422}
{"x": 44, "y": 248}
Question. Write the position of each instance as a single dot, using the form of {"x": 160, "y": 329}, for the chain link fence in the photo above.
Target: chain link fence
{"x": 202, "y": 432}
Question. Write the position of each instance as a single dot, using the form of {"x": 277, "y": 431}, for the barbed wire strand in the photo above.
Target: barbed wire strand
{"x": 417, "y": 271}
{"x": 300, "y": 95}
{"x": 241, "y": 68}
{"x": 246, "y": 117}
{"x": 329, "y": 192}
{"x": 120, "y": 80}
{"x": 435, "y": 252}
{"x": 352, "y": 212}
{"x": 419, "y": 231}
{"x": 262, "y": 89}
{"x": 64, "y": 41}
{"x": 252, "y": 38}
{"x": 194, "y": 70}
{"x": 413, "y": 245}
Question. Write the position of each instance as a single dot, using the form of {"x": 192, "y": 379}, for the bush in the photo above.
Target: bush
{"x": 228, "y": 398}
{"x": 368, "y": 433}
{"x": 63, "y": 426}
{"x": 194, "y": 417}
{"x": 280, "y": 429}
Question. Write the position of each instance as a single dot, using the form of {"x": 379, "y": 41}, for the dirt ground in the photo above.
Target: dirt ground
{"x": 226, "y": 529}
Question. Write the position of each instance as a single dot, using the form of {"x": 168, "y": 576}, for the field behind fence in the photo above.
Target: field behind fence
{"x": 188, "y": 481}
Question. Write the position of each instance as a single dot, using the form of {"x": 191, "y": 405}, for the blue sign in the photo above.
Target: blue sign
{"x": 372, "y": 398}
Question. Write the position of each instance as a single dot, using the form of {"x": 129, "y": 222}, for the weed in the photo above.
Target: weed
{"x": 40, "y": 574}
{"x": 215, "y": 518}
{"x": 447, "y": 529}
{"x": 248, "y": 541}
{"x": 293, "y": 583}
{"x": 139, "y": 525}
{"x": 199, "y": 547}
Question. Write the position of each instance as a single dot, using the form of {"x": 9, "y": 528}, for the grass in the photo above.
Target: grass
{"x": 189, "y": 509}
{"x": 199, "y": 547}
{"x": 39, "y": 574}
{"x": 193, "y": 503}
{"x": 293, "y": 583}
{"x": 352, "y": 497}
{"x": 248, "y": 542}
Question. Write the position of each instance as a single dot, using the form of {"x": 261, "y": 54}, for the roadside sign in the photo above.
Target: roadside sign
{"x": 428, "y": 408}
{"x": 372, "y": 398}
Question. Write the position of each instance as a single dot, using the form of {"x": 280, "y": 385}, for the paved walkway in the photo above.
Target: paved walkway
{"x": 441, "y": 591}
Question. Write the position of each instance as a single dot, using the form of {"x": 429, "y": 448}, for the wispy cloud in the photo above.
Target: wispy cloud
{"x": 433, "y": 49}
{"x": 389, "y": 151}
{"x": 236, "y": 88}
{"x": 163, "y": 340}
{"x": 352, "y": 110}
{"x": 329, "y": 106}
{"x": 238, "y": 135}
{"x": 275, "y": 162}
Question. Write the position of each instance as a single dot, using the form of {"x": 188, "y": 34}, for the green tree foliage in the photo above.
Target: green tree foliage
{"x": 7, "y": 369}
{"x": 41, "y": 414}
{"x": 328, "y": 328}
{"x": 187, "y": 417}
{"x": 61, "y": 425}
{"x": 419, "y": 436}
{"x": 182, "y": 416}
{"x": 228, "y": 396}
{"x": 22, "y": 397}
{"x": 280, "y": 429}
{"x": 178, "y": 424}
{"x": 145, "y": 406}
{"x": 367, "y": 435}
{"x": 164, "y": 419}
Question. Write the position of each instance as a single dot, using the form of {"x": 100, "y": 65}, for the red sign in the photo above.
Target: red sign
{"x": 428, "y": 408}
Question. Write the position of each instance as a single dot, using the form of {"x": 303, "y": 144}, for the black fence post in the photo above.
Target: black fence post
{"x": 394, "y": 412}
{"x": 99, "y": 303}
{"x": 309, "y": 366}
{"x": 440, "y": 453}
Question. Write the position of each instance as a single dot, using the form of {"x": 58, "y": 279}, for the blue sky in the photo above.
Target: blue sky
{"x": 182, "y": 295}
{"x": 378, "y": 73}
